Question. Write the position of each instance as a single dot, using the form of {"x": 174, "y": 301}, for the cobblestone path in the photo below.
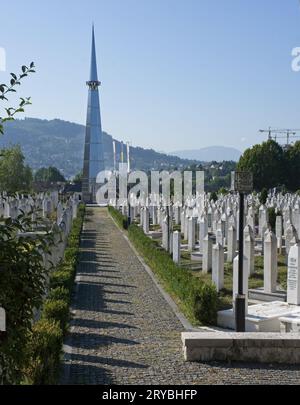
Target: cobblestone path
{"x": 124, "y": 332}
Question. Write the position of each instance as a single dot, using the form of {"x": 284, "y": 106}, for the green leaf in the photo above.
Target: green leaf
{"x": 14, "y": 76}
{"x": 24, "y": 68}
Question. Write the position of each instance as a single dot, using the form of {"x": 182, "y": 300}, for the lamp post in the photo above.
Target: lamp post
{"x": 242, "y": 182}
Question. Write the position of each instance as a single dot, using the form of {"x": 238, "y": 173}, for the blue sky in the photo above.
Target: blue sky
{"x": 176, "y": 74}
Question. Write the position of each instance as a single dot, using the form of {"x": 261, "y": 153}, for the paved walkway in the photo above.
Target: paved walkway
{"x": 123, "y": 330}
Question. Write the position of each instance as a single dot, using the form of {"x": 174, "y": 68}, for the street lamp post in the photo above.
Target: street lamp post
{"x": 242, "y": 182}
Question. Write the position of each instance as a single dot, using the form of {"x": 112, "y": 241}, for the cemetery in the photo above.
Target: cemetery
{"x": 183, "y": 278}
{"x": 202, "y": 240}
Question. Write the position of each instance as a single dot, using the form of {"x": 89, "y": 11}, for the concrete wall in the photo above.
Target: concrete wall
{"x": 250, "y": 347}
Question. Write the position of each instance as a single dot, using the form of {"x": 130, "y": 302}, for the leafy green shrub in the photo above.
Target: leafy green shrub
{"x": 59, "y": 293}
{"x": 61, "y": 278}
{"x": 44, "y": 343}
{"x": 56, "y": 310}
{"x": 43, "y": 352}
{"x": 120, "y": 219}
{"x": 263, "y": 196}
{"x": 22, "y": 281}
{"x": 214, "y": 196}
{"x": 70, "y": 255}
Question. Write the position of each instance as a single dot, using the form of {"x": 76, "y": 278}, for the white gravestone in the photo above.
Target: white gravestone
{"x": 207, "y": 254}
{"x": 203, "y": 230}
{"x": 218, "y": 266}
{"x": 146, "y": 220}
{"x": 278, "y": 231}
{"x": 249, "y": 253}
{"x": 293, "y": 280}
{"x": 231, "y": 244}
{"x": 165, "y": 235}
{"x": 270, "y": 263}
{"x": 176, "y": 247}
{"x": 2, "y": 320}
{"x": 191, "y": 233}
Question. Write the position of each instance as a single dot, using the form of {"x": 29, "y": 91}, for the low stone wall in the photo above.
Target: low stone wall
{"x": 249, "y": 347}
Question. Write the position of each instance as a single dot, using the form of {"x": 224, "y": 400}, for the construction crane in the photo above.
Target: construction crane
{"x": 281, "y": 133}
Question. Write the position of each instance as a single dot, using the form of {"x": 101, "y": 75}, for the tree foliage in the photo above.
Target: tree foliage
{"x": 267, "y": 162}
{"x": 22, "y": 287}
{"x": 292, "y": 169}
{"x": 6, "y": 89}
{"x": 49, "y": 175}
{"x": 15, "y": 175}
{"x": 78, "y": 178}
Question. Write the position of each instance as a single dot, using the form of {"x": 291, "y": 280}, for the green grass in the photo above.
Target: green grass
{"x": 256, "y": 280}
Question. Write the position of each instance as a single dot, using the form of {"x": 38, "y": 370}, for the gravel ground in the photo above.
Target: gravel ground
{"x": 124, "y": 332}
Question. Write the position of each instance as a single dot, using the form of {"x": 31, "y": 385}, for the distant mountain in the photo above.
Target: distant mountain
{"x": 60, "y": 144}
{"x": 209, "y": 154}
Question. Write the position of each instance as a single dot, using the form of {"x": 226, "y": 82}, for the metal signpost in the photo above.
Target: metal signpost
{"x": 242, "y": 182}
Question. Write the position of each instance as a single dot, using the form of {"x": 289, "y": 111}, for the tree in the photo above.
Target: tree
{"x": 49, "y": 175}
{"x": 223, "y": 191}
{"x": 14, "y": 174}
{"x": 78, "y": 178}
{"x": 263, "y": 196}
{"x": 292, "y": 169}
{"x": 266, "y": 162}
{"x": 214, "y": 196}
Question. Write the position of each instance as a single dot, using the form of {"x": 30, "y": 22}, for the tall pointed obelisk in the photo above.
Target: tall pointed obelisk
{"x": 93, "y": 149}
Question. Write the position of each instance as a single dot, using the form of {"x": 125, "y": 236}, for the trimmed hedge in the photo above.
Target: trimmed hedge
{"x": 59, "y": 293}
{"x": 120, "y": 219}
{"x": 58, "y": 310}
{"x": 198, "y": 298}
{"x": 44, "y": 352}
{"x": 46, "y": 339}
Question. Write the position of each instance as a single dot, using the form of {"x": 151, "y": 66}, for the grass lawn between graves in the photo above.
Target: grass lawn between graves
{"x": 255, "y": 280}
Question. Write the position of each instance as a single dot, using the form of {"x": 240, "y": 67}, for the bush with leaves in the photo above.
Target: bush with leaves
{"x": 6, "y": 89}
{"x": 263, "y": 196}
{"x": 43, "y": 353}
{"x": 120, "y": 219}
{"x": 44, "y": 347}
{"x": 22, "y": 287}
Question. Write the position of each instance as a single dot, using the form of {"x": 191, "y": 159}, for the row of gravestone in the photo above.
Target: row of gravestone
{"x": 211, "y": 228}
